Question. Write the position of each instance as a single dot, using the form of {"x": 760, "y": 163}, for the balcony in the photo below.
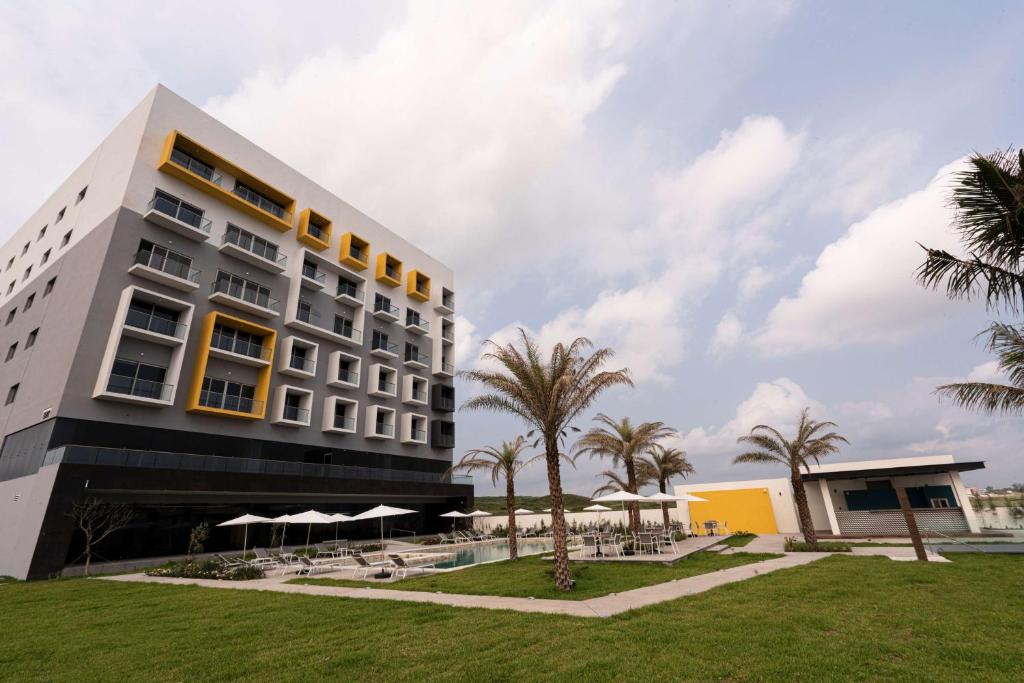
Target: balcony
{"x": 444, "y": 369}
{"x": 314, "y": 230}
{"x": 339, "y": 415}
{"x": 447, "y": 305}
{"x": 384, "y": 348}
{"x": 299, "y": 366}
{"x": 416, "y": 325}
{"x": 344, "y": 424}
{"x": 262, "y": 203}
{"x": 355, "y": 251}
{"x": 313, "y": 278}
{"x": 381, "y": 381}
{"x": 384, "y": 310}
{"x": 343, "y": 370}
{"x": 308, "y": 320}
{"x": 414, "y": 390}
{"x": 169, "y": 212}
{"x": 418, "y": 286}
{"x": 240, "y": 351}
{"x": 140, "y": 391}
{"x": 227, "y": 403}
{"x": 442, "y": 398}
{"x": 442, "y": 434}
{"x": 149, "y": 327}
{"x": 293, "y": 416}
{"x": 415, "y": 359}
{"x": 349, "y": 293}
{"x": 245, "y": 248}
{"x": 389, "y": 270}
{"x": 173, "y": 273}
{"x": 244, "y": 298}
{"x": 448, "y": 333}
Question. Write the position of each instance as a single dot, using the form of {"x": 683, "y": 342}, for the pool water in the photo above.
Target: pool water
{"x": 491, "y": 552}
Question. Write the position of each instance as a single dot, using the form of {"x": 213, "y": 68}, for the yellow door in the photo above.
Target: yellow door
{"x": 742, "y": 509}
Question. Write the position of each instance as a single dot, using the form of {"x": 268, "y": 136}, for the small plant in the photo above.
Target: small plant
{"x": 207, "y": 569}
{"x": 796, "y": 546}
{"x": 98, "y": 520}
{"x": 196, "y": 540}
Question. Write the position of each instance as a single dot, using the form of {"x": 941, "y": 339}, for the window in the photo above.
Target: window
{"x": 42, "y": 233}
{"x": 940, "y": 502}
{"x": 145, "y": 315}
{"x": 46, "y": 256}
{"x": 163, "y": 259}
{"x": 31, "y": 341}
{"x": 190, "y": 163}
{"x": 11, "y": 394}
{"x": 246, "y": 290}
{"x": 60, "y": 214}
{"x": 343, "y": 326}
{"x": 29, "y": 301}
{"x": 28, "y": 273}
{"x": 81, "y": 194}
{"x": 137, "y": 379}
{"x": 64, "y": 240}
{"x": 251, "y": 243}
{"x": 309, "y": 270}
{"x": 220, "y": 393}
{"x": 11, "y": 350}
{"x": 256, "y": 199}
{"x": 236, "y": 341}
{"x": 10, "y": 316}
{"x": 298, "y": 361}
{"x": 24, "y": 249}
{"x": 293, "y": 410}
{"x": 49, "y": 286}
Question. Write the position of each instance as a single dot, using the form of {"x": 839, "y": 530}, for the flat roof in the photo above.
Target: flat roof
{"x": 932, "y": 468}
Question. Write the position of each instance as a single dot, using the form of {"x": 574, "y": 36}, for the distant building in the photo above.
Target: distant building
{"x": 845, "y": 499}
{"x": 195, "y": 328}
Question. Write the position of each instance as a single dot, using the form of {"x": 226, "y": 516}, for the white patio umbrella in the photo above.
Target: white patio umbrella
{"x": 244, "y": 520}
{"x": 310, "y": 517}
{"x": 523, "y": 511}
{"x": 479, "y": 513}
{"x": 380, "y": 512}
{"x": 283, "y": 519}
{"x": 621, "y": 497}
{"x": 598, "y": 508}
{"x": 454, "y": 515}
{"x": 339, "y": 517}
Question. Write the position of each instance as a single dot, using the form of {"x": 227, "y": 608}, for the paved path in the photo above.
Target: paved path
{"x": 606, "y": 606}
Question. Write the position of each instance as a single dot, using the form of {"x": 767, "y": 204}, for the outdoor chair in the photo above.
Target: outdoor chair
{"x": 262, "y": 557}
{"x": 231, "y": 563}
{"x": 308, "y": 567}
{"x": 589, "y": 546}
{"x": 612, "y": 546}
{"x": 365, "y": 566}
{"x": 446, "y": 539}
{"x": 323, "y": 550}
{"x": 646, "y": 540}
{"x": 403, "y": 567}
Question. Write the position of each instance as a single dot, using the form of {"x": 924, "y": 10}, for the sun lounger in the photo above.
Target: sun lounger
{"x": 308, "y": 567}
{"x": 262, "y": 557}
{"x": 231, "y": 563}
{"x": 403, "y": 567}
{"x": 365, "y": 566}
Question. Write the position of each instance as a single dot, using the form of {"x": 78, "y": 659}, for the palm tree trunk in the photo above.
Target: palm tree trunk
{"x": 803, "y": 510}
{"x": 510, "y": 500}
{"x": 561, "y": 564}
{"x": 662, "y": 484}
{"x": 634, "y": 507}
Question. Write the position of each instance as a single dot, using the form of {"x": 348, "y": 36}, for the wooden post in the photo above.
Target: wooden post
{"x": 908, "y": 514}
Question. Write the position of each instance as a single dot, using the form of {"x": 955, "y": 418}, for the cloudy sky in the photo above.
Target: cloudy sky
{"x": 729, "y": 194}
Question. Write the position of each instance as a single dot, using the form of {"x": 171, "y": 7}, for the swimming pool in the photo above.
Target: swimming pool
{"x": 490, "y": 552}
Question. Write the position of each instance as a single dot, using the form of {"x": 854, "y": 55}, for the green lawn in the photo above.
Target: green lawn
{"x": 739, "y": 540}
{"x": 531, "y": 577}
{"x": 841, "y": 618}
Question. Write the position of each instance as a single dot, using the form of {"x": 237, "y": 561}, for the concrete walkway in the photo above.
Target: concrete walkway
{"x": 605, "y": 606}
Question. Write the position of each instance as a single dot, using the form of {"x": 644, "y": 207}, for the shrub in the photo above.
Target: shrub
{"x": 206, "y": 569}
{"x": 795, "y": 546}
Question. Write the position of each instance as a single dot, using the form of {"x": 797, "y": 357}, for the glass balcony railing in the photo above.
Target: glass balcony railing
{"x": 420, "y": 396}
{"x": 348, "y": 376}
{"x": 418, "y": 323}
{"x": 346, "y": 423}
{"x": 385, "y": 345}
{"x": 179, "y": 212}
{"x": 448, "y": 301}
{"x": 384, "y": 429}
{"x": 143, "y": 388}
{"x": 418, "y": 434}
{"x": 154, "y": 323}
{"x": 259, "y": 201}
{"x": 311, "y": 273}
{"x": 301, "y": 363}
{"x": 415, "y": 357}
{"x": 350, "y": 290}
{"x": 448, "y": 333}
{"x": 232, "y": 344}
{"x": 246, "y": 294}
{"x": 194, "y": 166}
{"x": 357, "y": 254}
{"x": 447, "y": 367}
{"x": 237, "y": 404}
{"x": 344, "y": 327}
{"x": 392, "y": 273}
{"x": 175, "y": 267}
{"x": 386, "y": 308}
{"x": 295, "y": 414}
{"x": 387, "y": 387}
{"x": 266, "y": 252}
{"x": 316, "y": 232}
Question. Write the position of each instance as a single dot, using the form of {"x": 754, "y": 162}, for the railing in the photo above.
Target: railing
{"x": 114, "y": 457}
{"x": 153, "y": 323}
{"x": 388, "y": 387}
{"x": 345, "y": 328}
{"x": 196, "y": 167}
{"x": 419, "y": 396}
{"x": 297, "y": 362}
{"x": 383, "y": 429}
{"x": 150, "y": 259}
{"x": 416, "y": 357}
{"x": 348, "y": 423}
{"x": 259, "y": 201}
{"x": 357, "y": 254}
{"x": 448, "y": 301}
{"x": 264, "y": 252}
{"x": 384, "y": 345}
{"x": 447, "y": 367}
{"x": 233, "y": 344}
{"x": 143, "y": 388}
{"x": 446, "y": 404}
{"x": 448, "y": 333}
{"x": 391, "y": 273}
{"x": 418, "y": 434}
{"x": 236, "y": 291}
{"x": 347, "y": 376}
{"x": 419, "y": 323}
{"x": 310, "y": 273}
{"x": 314, "y": 230}
{"x": 237, "y": 404}
{"x": 350, "y": 290}
{"x": 385, "y": 307}
{"x": 932, "y": 532}
{"x": 179, "y": 212}
{"x": 295, "y": 414}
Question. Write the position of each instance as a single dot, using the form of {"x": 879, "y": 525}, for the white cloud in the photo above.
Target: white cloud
{"x": 987, "y": 372}
{"x": 727, "y": 335}
{"x": 467, "y": 341}
{"x": 862, "y": 289}
{"x": 753, "y": 281}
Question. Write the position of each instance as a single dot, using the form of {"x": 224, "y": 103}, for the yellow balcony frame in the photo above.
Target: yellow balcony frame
{"x": 210, "y": 320}
{"x": 177, "y": 139}
{"x": 348, "y": 241}
{"x": 384, "y": 259}
{"x": 324, "y": 223}
{"x": 418, "y": 286}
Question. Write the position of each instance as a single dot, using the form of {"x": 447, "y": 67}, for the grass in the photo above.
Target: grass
{"x": 739, "y": 540}
{"x": 532, "y": 577}
{"x": 794, "y": 546}
{"x": 840, "y": 618}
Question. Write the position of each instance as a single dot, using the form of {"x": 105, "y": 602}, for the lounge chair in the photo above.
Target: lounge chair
{"x": 308, "y": 567}
{"x": 365, "y": 566}
{"x": 446, "y": 539}
{"x": 262, "y": 557}
{"x": 230, "y": 563}
{"x": 402, "y": 567}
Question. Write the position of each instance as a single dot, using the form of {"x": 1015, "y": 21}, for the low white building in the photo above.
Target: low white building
{"x": 846, "y": 499}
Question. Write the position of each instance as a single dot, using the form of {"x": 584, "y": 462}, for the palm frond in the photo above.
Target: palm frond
{"x": 991, "y": 398}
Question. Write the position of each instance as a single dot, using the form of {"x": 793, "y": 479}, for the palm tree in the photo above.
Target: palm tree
{"x": 614, "y": 481}
{"x": 796, "y": 454}
{"x": 548, "y": 394}
{"x": 1007, "y": 342}
{"x": 501, "y": 461}
{"x": 624, "y": 443}
{"x": 667, "y": 462}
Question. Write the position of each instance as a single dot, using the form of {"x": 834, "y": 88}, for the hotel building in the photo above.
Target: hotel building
{"x": 196, "y": 329}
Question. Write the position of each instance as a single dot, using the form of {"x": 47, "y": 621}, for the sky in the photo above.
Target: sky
{"x": 728, "y": 194}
